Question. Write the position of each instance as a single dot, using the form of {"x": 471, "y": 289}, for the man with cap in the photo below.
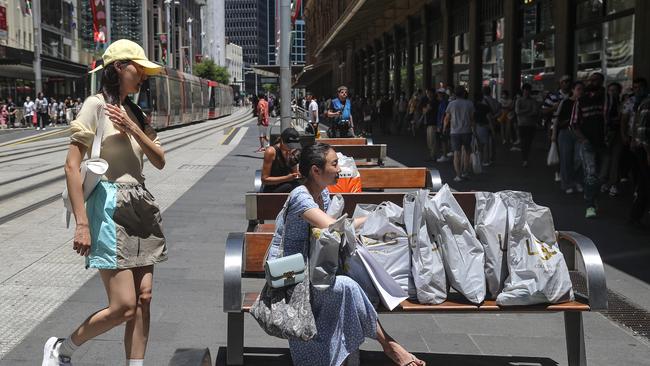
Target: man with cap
{"x": 280, "y": 168}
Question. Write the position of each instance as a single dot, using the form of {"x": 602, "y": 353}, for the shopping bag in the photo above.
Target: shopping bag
{"x": 389, "y": 291}
{"x": 384, "y": 222}
{"x": 537, "y": 270}
{"x": 491, "y": 225}
{"x": 553, "y": 158}
{"x": 349, "y": 180}
{"x": 475, "y": 158}
{"x": 427, "y": 268}
{"x": 336, "y": 206}
{"x": 324, "y": 247}
{"x": 394, "y": 256}
{"x": 462, "y": 253}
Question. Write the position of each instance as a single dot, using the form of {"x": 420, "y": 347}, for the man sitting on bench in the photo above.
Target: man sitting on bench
{"x": 280, "y": 168}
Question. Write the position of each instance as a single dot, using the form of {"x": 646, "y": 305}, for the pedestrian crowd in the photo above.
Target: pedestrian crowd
{"x": 38, "y": 113}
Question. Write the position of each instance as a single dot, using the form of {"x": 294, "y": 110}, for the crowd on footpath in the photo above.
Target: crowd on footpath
{"x": 598, "y": 132}
{"x": 39, "y": 113}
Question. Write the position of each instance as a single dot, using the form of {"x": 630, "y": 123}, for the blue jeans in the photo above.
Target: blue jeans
{"x": 589, "y": 157}
{"x": 566, "y": 141}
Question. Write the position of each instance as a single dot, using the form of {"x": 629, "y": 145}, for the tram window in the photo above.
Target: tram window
{"x": 213, "y": 90}
{"x": 161, "y": 92}
{"x": 175, "y": 96}
{"x": 186, "y": 93}
{"x": 144, "y": 96}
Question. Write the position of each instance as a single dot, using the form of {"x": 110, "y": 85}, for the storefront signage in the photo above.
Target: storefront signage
{"x": 269, "y": 80}
{"x": 3, "y": 22}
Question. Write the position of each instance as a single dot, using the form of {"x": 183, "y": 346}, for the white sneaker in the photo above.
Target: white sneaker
{"x": 458, "y": 179}
{"x": 38, "y": 128}
{"x": 442, "y": 159}
{"x": 579, "y": 188}
{"x": 613, "y": 191}
{"x": 557, "y": 177}
{"x": 450, "y": 154}
{"x": 51, "y": 353}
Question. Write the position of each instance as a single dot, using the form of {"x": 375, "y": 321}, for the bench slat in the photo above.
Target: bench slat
{"x": 392, "y": 178}
{"x": 255, "y": 248}
{"x": 458, "y": 305}
{"x": 343, "y": 141}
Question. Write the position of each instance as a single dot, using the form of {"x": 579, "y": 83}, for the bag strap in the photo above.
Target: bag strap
{"x": 99, "y": 134}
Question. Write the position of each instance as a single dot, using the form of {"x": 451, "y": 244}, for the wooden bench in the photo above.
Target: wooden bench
{"x": 346, "y": 141}
{"x": 388, "y": 178}
{"x": 245, "y": 254}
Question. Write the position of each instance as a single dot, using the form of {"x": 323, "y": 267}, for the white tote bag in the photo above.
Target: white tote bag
{"x": 427, "y": 267}
{"x": 553, "y": 157}
{"x": 91, "y": 169}
{"x": 491, "y": 225}
{"x": 538, "y": 271}
{"x": 395, "y": 256}
{"x": 462, "y": 252}
{"x": 384, "y": 222}
{"x": 475, "y": 157}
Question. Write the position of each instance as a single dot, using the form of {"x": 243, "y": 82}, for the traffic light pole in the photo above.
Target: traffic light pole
{"x": 38, "y": 45}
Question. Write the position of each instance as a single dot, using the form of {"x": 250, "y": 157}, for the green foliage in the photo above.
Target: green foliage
{"x": 270, "y": 88}
{"x": 207, "y": 69}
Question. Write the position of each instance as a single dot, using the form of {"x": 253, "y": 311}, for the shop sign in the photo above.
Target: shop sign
{"x": 269, "y": 80}
{"x": 3, "y": 22}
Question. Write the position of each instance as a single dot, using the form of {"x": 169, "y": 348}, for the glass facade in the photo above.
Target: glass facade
{"x": 492, "y": 55}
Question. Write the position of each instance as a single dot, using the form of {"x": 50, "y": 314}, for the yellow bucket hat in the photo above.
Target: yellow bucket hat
{"x": 125, "y": 49}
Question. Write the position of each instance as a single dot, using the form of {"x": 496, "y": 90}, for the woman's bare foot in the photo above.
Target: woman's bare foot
{"x": 401, "y": 356}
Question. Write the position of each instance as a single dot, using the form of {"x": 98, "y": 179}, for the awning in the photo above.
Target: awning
{"x": 17, "y": 63}
{"x": 364, "y": 17}
{"x": 312, "y": 73}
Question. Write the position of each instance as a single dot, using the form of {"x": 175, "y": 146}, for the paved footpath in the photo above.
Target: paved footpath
{"x": 187, "y": 312}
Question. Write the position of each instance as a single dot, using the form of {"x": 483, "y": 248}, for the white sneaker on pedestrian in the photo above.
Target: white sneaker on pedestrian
{"x": 557, "y": 177}
{"x": 515, "y": 148}
{"x": 517, "y": 142}
{"x": 38, "y": 128}
{"x": 458, "y": 179}
{"x": 51, "y": 353}
{"x": 579, "y": 188}
{"x": 450, "y": 154}
{"x": 569, "y": 191}
{"x": 442, "y": 159}
{"x": 604, "y": 188}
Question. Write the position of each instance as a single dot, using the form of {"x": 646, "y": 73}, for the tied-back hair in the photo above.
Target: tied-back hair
{"x": 110, "y": 88}
{"x": 315, "y": 154}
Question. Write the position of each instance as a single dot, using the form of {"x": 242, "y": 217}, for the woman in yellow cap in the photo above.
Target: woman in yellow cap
{"x": 118, "y": 230}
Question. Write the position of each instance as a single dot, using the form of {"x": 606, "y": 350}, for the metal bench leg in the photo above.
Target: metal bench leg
{"x": 575, "y": 338}
{"x": 235, "y": 342}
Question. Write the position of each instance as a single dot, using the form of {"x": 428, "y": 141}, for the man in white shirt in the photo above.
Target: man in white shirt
{"x": 312, "y": 113}
{"x": 459, "y": 120}
{"x": 29, "y": 111}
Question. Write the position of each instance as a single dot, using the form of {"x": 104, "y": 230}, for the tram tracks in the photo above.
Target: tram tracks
{"x": 61, "y": 177}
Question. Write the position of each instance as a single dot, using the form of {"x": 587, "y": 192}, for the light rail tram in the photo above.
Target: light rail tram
{"x": 175, "y": 98}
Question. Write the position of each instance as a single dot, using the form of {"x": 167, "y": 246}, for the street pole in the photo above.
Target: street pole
{"x": 285, "y": 70}
{"x": 108, "y": 21}
{"x": 38, "y": 46}
{"x": 168, "y": 3}
{"x": 189, "y": 25}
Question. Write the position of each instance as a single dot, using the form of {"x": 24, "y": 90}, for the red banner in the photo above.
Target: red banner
{"x": 3, "y": 22}
{"x": 98, "y": 8}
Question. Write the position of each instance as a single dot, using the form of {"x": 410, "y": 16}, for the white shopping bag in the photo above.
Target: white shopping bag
{"x": 390, "y": 292}
{"x": 324, "y": 248}
{"x": 491, "y": 225}
{"x": 395, "y": 256}
{"x": 462, "y": 253}
{"x": 538, "y": 271}
{"x": 427, "y": 267}
{"x": 336, "y": 206}
{"x": 475, "y": 158}
{"x": 385, "y": 222}
{"x": 553, "y": 157}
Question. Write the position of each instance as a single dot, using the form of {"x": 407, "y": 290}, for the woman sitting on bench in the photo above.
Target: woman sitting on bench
{"x": 344, "y": 315}
{"x": 280, "y": 169}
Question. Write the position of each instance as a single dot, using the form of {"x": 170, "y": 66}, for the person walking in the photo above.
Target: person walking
{"x": 507, "y": 117}
{"x": 30, "y": 112}
{"x": 589, "y": 127}
{"x": 340, "y": 112}
{"x": 312, "y": 114}
{"x": 527, "y": 112}
{"x": 119, "y": 230}
{"x": 459, "y": 120}
{"x": 13, "y": 110}
{"x": 609, "y": 170}
{"x": 4, "y": 115}
{"x": 263, "y": 122}
{"x": 402, "y": 105}
{"x": 566, "y": 139}
{"x": 42, "y": 111}
{"x": 482, "y": 117}
{"x": 443, "y": 134}
{"x": 430, "y": 113}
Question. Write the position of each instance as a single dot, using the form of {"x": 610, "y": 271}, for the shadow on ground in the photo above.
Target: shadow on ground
{"x": 280, "y": 357}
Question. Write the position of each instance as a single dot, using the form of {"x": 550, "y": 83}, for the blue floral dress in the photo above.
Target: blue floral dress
{"x": 344, "y": 315}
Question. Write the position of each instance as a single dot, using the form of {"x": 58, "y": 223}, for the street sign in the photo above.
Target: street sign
{"x": 269, "y": 80}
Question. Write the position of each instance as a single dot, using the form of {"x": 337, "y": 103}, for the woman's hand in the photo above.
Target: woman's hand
{"x": 81, "y": 242}
{"x": 121, "y": 120}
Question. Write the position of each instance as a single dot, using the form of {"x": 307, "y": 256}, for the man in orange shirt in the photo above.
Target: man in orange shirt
{"x": 263, "y": 122}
